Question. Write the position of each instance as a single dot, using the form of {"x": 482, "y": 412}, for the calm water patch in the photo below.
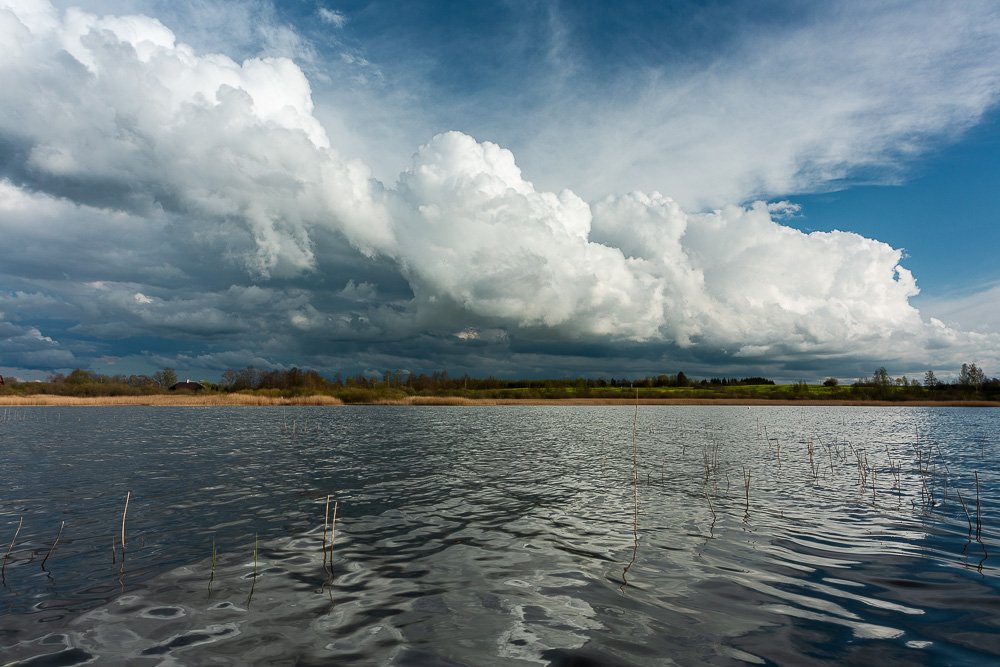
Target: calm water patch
{"x": 509, "y": 535}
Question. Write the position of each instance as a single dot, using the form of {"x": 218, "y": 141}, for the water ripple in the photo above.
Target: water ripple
{"x": 501, "y": 536}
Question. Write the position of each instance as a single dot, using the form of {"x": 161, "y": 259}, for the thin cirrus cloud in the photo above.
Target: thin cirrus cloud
{"x": 153, "y": 191}
{"x": 849, "y": 91}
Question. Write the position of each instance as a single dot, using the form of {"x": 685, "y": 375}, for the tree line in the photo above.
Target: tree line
{"x": 295, "y": 380}
{"x": 253, "y": 378}
{"x": 970, "y": 383}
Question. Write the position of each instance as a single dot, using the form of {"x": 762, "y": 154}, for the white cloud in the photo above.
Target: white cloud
{"x": 148, "y": 168}
{"x": 474, "y": 234}
{"x": 471, "y": 230}
{"x": 333, "y": 17}
{"x": 853, "y": 91}
{"x": 362, "y": 291}
{"x": 145, "y": 121}
{"x": 472, "y": 334}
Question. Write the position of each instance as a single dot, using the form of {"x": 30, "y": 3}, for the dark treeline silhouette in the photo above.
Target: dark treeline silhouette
{"x": 970, "y": 384}
{"x": 81, "y": 382}
{"x": 295, "y": 378}
{"x": 394, "y": 382}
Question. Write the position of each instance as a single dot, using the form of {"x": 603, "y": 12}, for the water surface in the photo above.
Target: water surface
{"x": 501, "y": 535}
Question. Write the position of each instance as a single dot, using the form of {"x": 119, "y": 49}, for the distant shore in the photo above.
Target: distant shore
{"x": 209, "y": 400}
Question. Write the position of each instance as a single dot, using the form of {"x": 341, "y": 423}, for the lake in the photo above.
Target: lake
{"x": 500, "y": 535}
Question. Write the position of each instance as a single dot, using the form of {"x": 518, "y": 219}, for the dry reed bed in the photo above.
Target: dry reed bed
{"x": 320, "y": 400}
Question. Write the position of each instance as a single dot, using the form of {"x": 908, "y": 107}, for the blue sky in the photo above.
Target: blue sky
{"x": 944, "y": 212}
{"x": 514, "y": 188}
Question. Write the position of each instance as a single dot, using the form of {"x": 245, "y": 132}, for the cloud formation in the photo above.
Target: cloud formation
{"x": 851, "y": 90}
{"x": 143, "y": 123}
{"x": 636, "y": 267}
{"x": 197, "y": 200}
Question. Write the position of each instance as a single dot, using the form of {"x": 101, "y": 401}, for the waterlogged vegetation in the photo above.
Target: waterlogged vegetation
{"x": 251, "y": 386}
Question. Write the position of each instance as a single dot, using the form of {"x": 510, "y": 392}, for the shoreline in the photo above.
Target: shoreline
{"x": 247, "y": 400}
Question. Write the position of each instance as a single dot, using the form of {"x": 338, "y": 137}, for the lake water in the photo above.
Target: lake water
{"x": 501, "y": 535}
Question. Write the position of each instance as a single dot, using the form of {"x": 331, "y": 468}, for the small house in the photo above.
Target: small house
{"x": 187, "y": 385}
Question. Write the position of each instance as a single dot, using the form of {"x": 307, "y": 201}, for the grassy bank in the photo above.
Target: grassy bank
{"x": 247, "y": 399}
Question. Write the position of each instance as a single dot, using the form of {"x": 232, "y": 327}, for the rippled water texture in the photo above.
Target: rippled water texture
{"x": 495, "y": 536}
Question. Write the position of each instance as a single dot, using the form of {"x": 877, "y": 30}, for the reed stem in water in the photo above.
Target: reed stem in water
{"x": 979, "y": 513}
{"x": 211, "y": 578}
{"x": 333, "y": 529}
{"x": 52, "y": 548}
{"x": 253, "y": 583}
{"x": 124, "y": 513}
{"x": 746, "y": 484}
{"x": 3, "y": 568}
{"x": 965, "y": 507}
{"x": 326, "y": 522}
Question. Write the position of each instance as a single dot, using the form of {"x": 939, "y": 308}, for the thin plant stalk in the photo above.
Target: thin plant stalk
{"x": 328, "y": 557}
{"x": 211, "y": 577}
{"x": 128, "y": 495}
{"x": 979, "y": 513}
{"x": 746, "y": 484}
{"x": 333, "y": 530}
{"x": 635, "y": 465}
{"x": 326, "y": 522}
{"x": 53, "y": 547}
{"x": 711, "y": 508}
{"x": 635, "y": 495}
{"x": 965, "y": 507}
{"x": 3, "y": 568}
{"x": 253, "y": 583}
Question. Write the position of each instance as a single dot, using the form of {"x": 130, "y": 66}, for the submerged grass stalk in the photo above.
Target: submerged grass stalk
{"x": 253, "y": 583}
{"x": 333, "y": 530}
{"x": 328, "y": 557}
{"x": 53, "y": 547}
{"x": 746, "y": 484}
{"x": 635, "y": 495}
{"x": 711, "y": 508}
{"x": 211, "y": 577}
{"x": 128, "y": 495}
{"x": 979, "y": 513}
{"x": 965, "y": 507}
{"x": 3, "y": 568}
{"x": 326, "y": 522}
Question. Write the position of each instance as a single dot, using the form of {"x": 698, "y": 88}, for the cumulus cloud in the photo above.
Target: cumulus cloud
{"x": 474, "y": 233}
{"x": 146, "y": 123}
{"x": 198, "y": 199}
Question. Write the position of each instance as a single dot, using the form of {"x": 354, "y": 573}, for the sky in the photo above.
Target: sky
{"x": 522, "y": 189}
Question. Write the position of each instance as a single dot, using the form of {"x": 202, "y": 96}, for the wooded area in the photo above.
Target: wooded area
{"x": 971, "y": 384}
